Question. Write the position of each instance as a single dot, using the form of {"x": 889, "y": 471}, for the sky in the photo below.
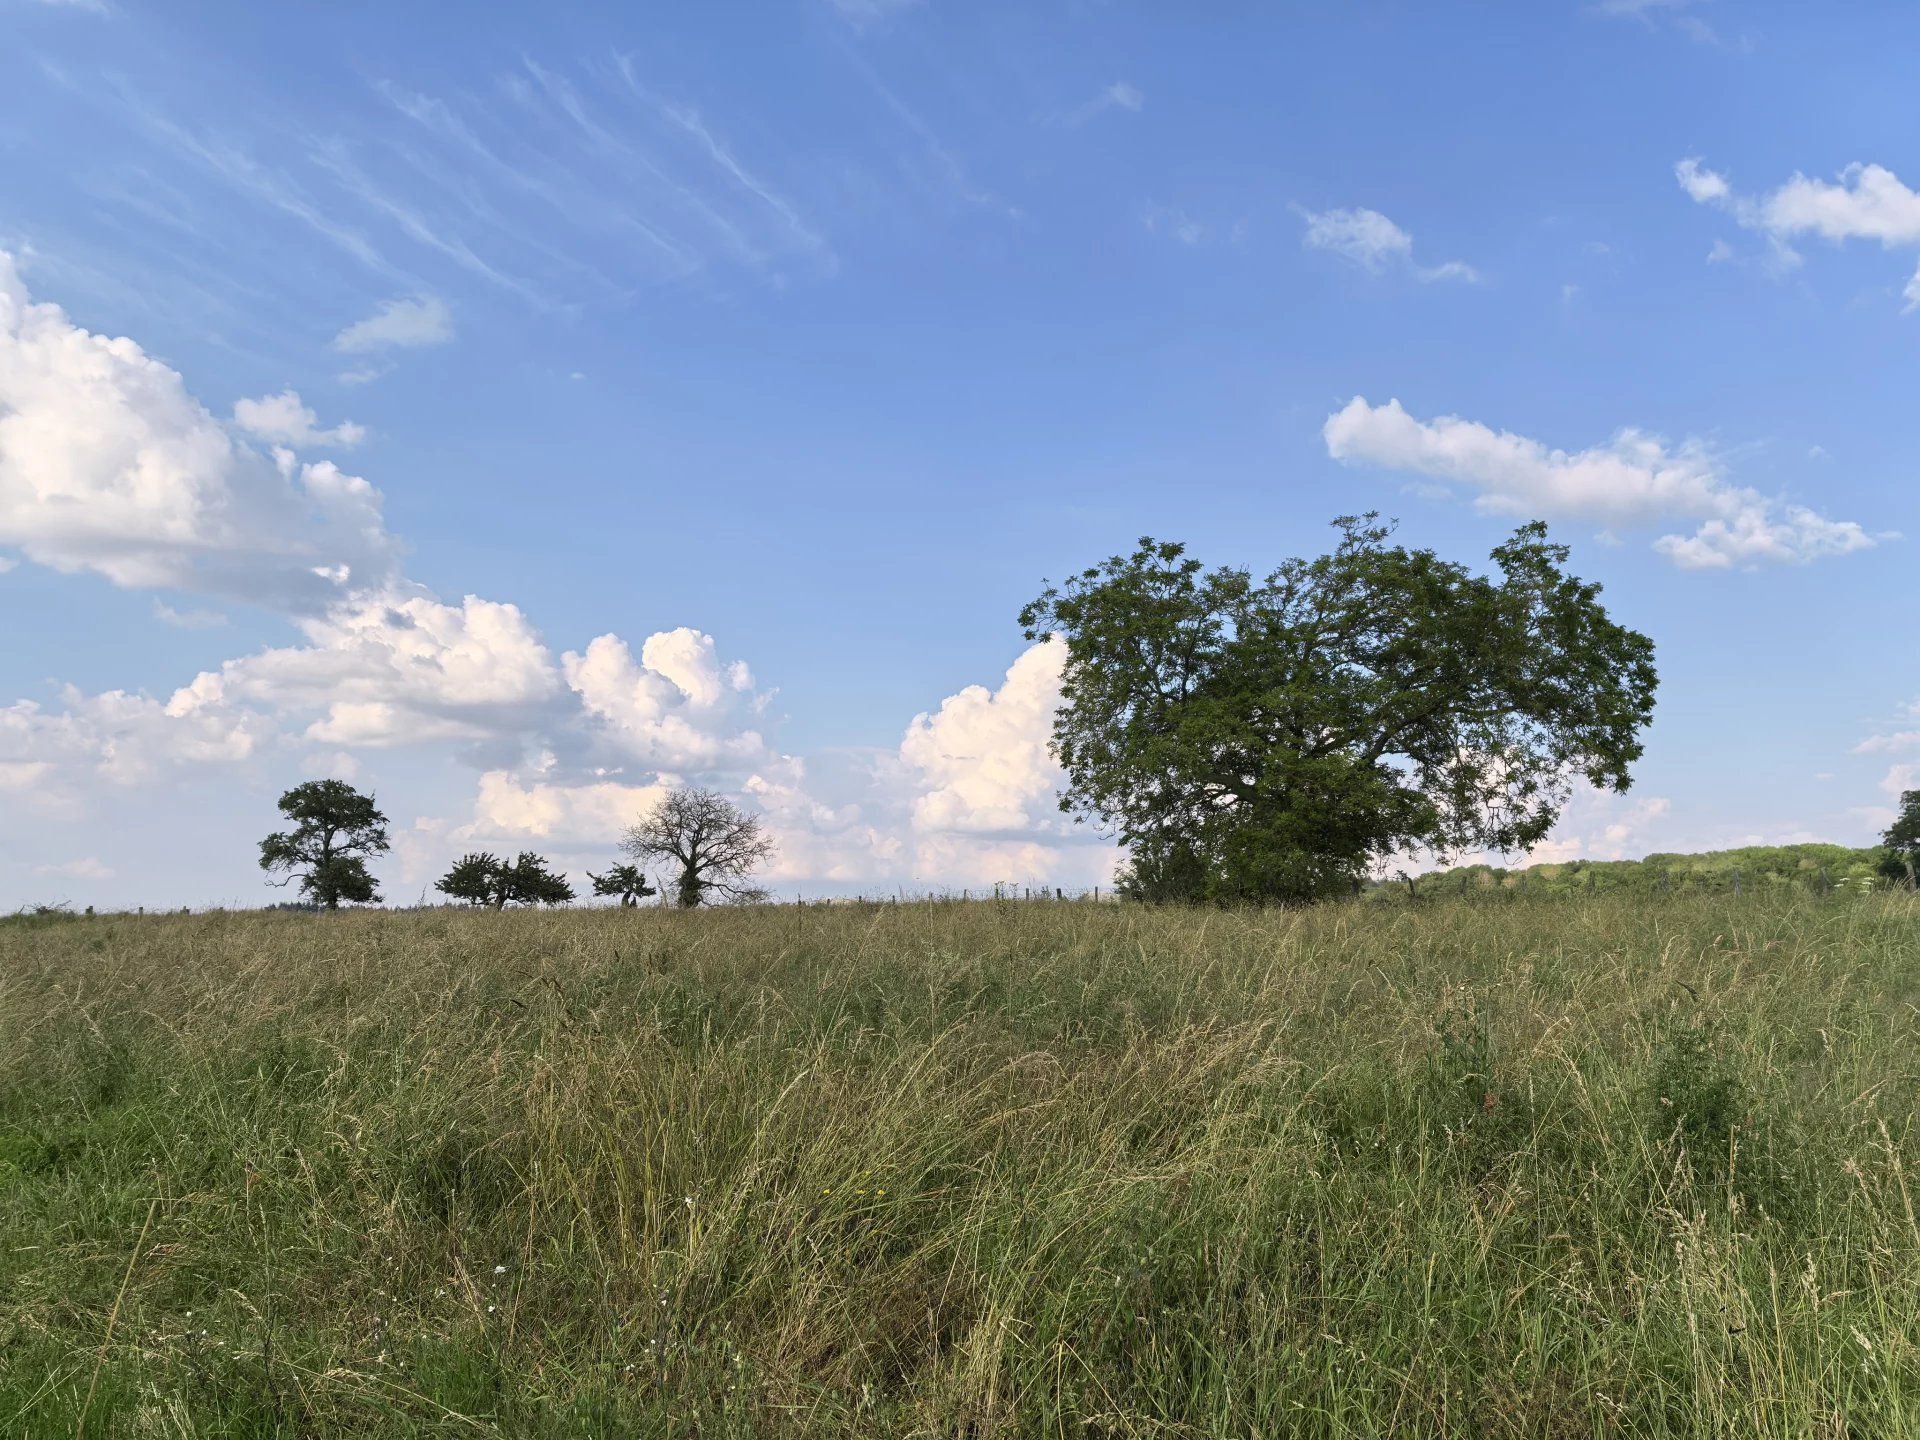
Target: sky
{"x": 515, "y": 411}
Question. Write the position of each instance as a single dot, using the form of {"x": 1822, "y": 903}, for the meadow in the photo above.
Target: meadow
{"x": 1561, "y": 1166}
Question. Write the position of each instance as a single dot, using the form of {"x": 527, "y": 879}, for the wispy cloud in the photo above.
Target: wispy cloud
{"x": 333, "y": 157}
{"x": 866, "y": 12}
{"x": 1117, "y": 96}
{"x": 688, "y": 120}
{"x": 545, "y": 176}
{"x": 1374, "y": 243}
{"x": 1166, "y": 220}
{"x": 187, "y": 619}
{"x": 398, "y": 324}
{"x": 562, "y": 93}
{"x": 239, "y": 170}
{"x": 950, "y": 174}
{"x": 1679, "y": 14}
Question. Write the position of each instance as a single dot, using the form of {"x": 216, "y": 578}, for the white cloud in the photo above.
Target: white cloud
{"x": 1373, "y": 242}
{"x": 1177, "y": 223}
{"x": 983, "y": 759}
{"x": 1652, "y": 12}
{"x": 1867, "y": 202}
{"x": 677, "y": 708}
{"x": 187, "y": 619}
{"x": 982, "y": 783}
{"x": 398, "y": 324}
{"x": 866, "y": 12}
{"x": 85, "y": 868}
{"x": 1891, "y": 744}
{"x": 284, "y": 420}
{"x": 108, "y": 465}
{"x": 1900, "y": 779}
{"x": 1634, "y": 482}
{"x": 398, "y": 670}
{"x": 117, "y": 737}
{"x": 508, "y": 808}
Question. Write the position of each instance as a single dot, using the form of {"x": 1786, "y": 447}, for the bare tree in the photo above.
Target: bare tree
{"x": 713, "y": 842}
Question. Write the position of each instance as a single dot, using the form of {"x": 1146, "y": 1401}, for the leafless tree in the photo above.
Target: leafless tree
{"x": 714, "y": 844}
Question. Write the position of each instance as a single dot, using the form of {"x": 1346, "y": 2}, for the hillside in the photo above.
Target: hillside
{"x": 1814, "y": 867}
{"x": 1614, "y": 1165}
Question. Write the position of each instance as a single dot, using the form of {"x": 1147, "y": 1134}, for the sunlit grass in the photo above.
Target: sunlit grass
{"x": 1561, "y": 1167}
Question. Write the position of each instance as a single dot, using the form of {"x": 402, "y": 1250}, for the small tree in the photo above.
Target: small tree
{"x": 487, "y": 880}
{"x": 474, "y": 879}
{"x": 1902, "y": 862}
{"x": 530, "y": 882}
{"x": 336, "y": 830}
{"x": 626, "y": 881}
{"x": 713, "y": 843}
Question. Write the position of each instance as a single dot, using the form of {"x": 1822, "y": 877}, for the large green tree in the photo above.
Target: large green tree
{"x": 1902, "y": 863}
{"x": 488, "y": 880}
{"x": 1270, "y": 739}
{"x": 336, "y": 830}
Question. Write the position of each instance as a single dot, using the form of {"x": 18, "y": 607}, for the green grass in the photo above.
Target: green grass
{"x": 1564, "y": 1167}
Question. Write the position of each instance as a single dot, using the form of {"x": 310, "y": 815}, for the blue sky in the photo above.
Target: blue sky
{"x": 808, "y": 338}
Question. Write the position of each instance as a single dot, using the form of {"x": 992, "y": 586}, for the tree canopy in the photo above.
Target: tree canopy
{"x": 1270, "y": 739}
{"x": 712, "y": 843}
{"x": 336, "y": 831}
{"x": 488, "y": 880}
{"x": 1903, "y": 842}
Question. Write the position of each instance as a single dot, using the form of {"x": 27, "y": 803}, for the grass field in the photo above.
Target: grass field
{"x": 1559, "y": 1167}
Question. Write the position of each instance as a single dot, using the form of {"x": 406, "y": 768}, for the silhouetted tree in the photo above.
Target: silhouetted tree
{"x": 626, "y": 881}
{"x": 1902, "y": 840}
{"x": 336, "y": 830}
{"x": 487, "y": 880}
{"x": 711, "y": 841}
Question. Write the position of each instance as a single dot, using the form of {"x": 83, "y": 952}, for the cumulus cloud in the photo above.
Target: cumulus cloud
{"x": 284, "y": 419}
{"x": 983, "y": 760}
{"x": 1866, "y": 202}
{"x": 982, "y": 782}
{"x": 1636, "y": 481}
{"x": 676, "y": 708}
{"x": 49, "y": 755}
{"x": 108, "y": 465}
{"x": 1373, "y": 242}
{"x": 399, "y": 325}
{"x": 508, "y": 807}
{"x": 400, "y": 669}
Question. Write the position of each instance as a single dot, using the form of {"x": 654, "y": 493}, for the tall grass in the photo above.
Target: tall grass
{"x": 1568, "y": 1167}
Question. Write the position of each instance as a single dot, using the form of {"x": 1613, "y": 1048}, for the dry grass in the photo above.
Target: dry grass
{"x": 1590, "y": 1167}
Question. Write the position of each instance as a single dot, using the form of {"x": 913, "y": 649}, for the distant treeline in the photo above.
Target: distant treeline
{"x": 1813, "y": 867}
